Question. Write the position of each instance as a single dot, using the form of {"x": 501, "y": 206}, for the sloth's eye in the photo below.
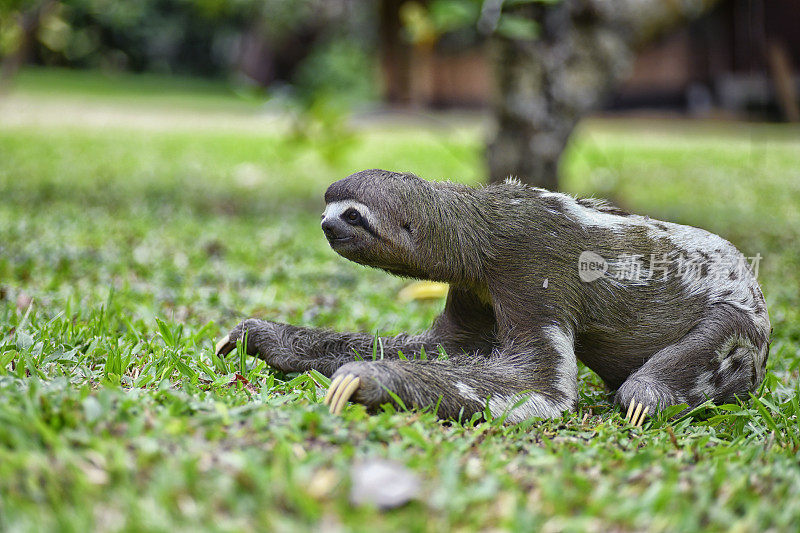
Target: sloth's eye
{"x": 352, "y": 216}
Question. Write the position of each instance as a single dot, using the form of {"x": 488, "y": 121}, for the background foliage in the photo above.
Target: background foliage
{"x": 309, "y": 46}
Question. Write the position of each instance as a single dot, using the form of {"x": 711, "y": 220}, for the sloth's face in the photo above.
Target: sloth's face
{"x": 367, "y": 236}
{"x": 370, "y": 218}
{"x": 349, "y": 225}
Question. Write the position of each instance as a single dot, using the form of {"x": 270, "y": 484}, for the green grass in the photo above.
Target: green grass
{"x": 125, "y": 253}
{"x": 151, "y": 90}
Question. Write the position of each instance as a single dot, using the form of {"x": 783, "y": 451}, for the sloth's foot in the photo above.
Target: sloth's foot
{"x": 262, "y": 339}
{"x": 636, "y": 414}
{"x": 364, "y": 382}
{"x": 342, "y": 388}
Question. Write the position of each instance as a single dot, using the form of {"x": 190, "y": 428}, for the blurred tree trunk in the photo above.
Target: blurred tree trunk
{"x": 29, "y": 22}
{"x": 396, "y": 60}
{"x": 546, "y": 84}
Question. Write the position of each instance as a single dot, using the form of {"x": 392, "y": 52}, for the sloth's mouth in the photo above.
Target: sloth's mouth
{"x": 339, "y": 240}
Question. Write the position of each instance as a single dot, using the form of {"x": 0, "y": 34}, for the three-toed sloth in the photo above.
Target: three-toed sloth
{"x": 664, "y": 313}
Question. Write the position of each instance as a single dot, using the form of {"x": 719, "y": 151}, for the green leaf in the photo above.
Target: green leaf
{"x": 24, "y": 341}
{"x": 395, "y": 397}
{"x": 448, "y": 15}
{"x": 766, "y": 415}
{"x": 321, "y": 380}
{"x": 518, "y": 28}
{"x": 5, "y": 359}
{"x": 411, "y": 433}
{"x": 166, "y": 334}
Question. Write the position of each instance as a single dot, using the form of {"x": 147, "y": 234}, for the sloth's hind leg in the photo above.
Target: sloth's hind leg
{"x": 720, "y": 358}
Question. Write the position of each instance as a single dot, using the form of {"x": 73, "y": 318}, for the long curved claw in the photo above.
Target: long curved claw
{"x": 225, "y": 346}
{"x": 347, "y": 394}
{"x": 636, "y": 414}
{"x": 631, "y": 407}
{"x": 340, "y": 391}
{"x": 332, "y": 388}
{"x": 644, "y": 415}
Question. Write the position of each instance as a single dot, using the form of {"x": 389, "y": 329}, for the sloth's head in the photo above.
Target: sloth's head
{"x": 369, "y": 218}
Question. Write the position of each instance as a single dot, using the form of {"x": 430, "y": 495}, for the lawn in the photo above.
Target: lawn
{"x": 127, "y": 249}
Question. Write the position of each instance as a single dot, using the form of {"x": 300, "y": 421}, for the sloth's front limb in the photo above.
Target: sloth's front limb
{"x": 527, "y": 381}
{"x": 465, "y": 325}
{"x": 298, "y": 349}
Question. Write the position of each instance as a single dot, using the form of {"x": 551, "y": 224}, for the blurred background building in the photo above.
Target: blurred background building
{"x": 741, "y": 57}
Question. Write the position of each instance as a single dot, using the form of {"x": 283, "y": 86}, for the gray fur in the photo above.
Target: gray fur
{"x": 518, "y": 315}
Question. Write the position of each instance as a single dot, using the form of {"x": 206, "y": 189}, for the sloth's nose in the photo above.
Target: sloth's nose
{"x": 328, "y": 227}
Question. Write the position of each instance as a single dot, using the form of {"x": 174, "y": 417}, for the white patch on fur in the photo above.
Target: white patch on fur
{"x": 336, "y": 210}
{"x": 688, "y": 242}
{"x": 467, "y": 392}
{"x": 564, "y": 344}
{"x": 703, "y": 386}
{"x": 590, "y": 216}
{"x": 742, "y": 349}
{"x": 735, "y": 347}
{"x": 729, "y": 347}
{"x": 544, "y": 193}
{"x": 692, "y": 239}
{"x": 716, "y": 285}
{"x": 587, "y": 216}
{"x": 536, "y": 404}
{"x": 532, "y": 403}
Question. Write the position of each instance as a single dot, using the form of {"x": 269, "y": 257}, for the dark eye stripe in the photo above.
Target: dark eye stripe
{"x": 366, "y": 225}
{"x": 360, "y": 221}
